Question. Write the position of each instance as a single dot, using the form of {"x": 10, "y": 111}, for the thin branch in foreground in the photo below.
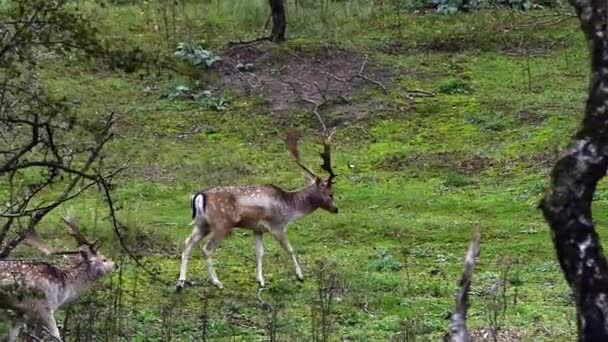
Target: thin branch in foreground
{"x": 458, "y": 326}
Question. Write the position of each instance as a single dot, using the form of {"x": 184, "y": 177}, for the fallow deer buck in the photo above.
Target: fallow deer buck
{"x": 263, "y": 208}
{"x": 31, "y": 291}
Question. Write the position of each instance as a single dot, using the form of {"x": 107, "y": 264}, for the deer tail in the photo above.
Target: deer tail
{"x": 198, "y": 203}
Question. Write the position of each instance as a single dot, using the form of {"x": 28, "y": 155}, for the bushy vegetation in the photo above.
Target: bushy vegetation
{"x": 416, "y": 173}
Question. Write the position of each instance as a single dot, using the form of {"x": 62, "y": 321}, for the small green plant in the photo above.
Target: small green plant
{"x": 456, "y": 180}
{"x": 196, "y": 54}
{"x": 454, "y": 86}
{"x": 385, "y": 262}
{"x": 218, "y": 103}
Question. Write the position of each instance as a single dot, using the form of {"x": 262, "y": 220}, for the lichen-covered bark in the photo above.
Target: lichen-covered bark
{"x": 567, "y": 204}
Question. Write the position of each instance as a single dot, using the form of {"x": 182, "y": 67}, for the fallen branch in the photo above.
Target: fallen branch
{"x": 419, "y": 93}
{"x": 363, "y": 77}
{"x": 316, "y": 105}
{"x": 247, "y": 42}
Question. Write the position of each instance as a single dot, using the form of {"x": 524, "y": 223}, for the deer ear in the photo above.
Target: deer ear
{"x": 84, "y": 254}
{"x": 309, "y": 179}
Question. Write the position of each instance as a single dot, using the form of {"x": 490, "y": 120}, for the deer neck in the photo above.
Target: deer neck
{"x": 78, "y": 278}
{"x": 303, "y": 202}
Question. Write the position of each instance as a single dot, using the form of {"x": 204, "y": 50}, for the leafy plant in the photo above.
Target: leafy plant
{"x": 525, "y": 5}
{"x": 385, "y": 262}
{"x": 197, "y": 54}
{"x": 218, "y": 103}
{"x": 455, "y": 86}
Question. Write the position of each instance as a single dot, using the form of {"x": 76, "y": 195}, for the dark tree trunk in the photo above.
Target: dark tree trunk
{"x": 279, "y": 20}
{"x": 567, "y": 204}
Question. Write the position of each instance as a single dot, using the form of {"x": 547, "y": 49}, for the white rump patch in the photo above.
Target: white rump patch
{"x": 199, "y": 204}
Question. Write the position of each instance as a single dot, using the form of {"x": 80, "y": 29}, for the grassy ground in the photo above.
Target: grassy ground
{"x": 426, "y": 172}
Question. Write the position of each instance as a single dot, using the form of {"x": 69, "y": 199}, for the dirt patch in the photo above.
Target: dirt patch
{"x": 531, "y": 116}
{"x": 454, "y": 161}
{"x": 542, "y": 160}
{"x": 504, "y": 334}
{"x": 291, "y": 78}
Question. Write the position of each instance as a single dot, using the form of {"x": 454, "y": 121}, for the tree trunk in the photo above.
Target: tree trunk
{"x": 567, "y": 204}
{"x": 279, "y": 21}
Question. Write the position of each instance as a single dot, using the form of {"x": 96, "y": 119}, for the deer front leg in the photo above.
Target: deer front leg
{"x": 259, "y": 254}
{"x": 51, "y": 325}
{"x": 281, "y": 237}
{"x": 216, "y": 237}
{"x": 14, "y": 331}
{"x": 45, "y": 320}
{"x": 192, "y": 240}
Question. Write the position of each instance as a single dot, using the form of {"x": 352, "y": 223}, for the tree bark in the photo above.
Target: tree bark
{"x": 279, "y": 20}
{"x": 567, "y": 204}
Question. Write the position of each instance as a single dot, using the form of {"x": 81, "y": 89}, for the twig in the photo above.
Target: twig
{"x": 317, "y": 106}
{"x": 363, "y": 77}
{"x": 246, "y": 42}
{"x": 419, "y": 93}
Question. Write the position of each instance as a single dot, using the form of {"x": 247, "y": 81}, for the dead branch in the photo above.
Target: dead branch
{"x": 247, "y": 42}
{"x": 419, "y": 93}
{"x": 350, "y": 79}
{"x": 59, "y": 164}
{"x": 363, "y": 77}
{"x": 316, "y": 105}
{"x": 458, "y": 326}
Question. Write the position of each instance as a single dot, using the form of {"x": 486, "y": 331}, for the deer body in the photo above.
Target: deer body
{"x": 264, "y": 208}
{"x": 31, "y": 291}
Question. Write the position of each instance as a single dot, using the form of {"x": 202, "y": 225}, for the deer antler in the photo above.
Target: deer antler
{"x": 326, "y": 156}
{"x": 292, "y": 146}
{"x": 33, "y": 239}
{"x": 74, "y": 230}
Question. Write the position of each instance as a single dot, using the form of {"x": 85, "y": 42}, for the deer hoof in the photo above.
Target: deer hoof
{"x": 261, "y": 283}
{"x": 180, "y": 285}
{"x": 300, "y": 277}
{"x": 218, "y": 284}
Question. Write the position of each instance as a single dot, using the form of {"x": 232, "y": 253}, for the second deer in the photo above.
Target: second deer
{"x": 262, "y": 208}
{"x": 31, "y": 291}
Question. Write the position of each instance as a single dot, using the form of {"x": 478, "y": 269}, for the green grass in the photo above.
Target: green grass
{"x": 411, "y": 188}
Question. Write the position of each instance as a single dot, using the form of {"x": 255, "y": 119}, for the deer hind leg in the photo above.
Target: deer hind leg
{"x": 216, "y": 237}
{"x": 281, "y": 237}
{"x": 198, "y": 232}
{"x": 259, "y": 254}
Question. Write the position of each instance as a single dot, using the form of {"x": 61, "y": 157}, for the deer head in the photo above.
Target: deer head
{"x": 323, "y": 187}
{"x": 88, "y": 251}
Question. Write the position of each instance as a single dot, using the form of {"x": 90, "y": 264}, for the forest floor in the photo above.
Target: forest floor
{"x": 444, "y": 124}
